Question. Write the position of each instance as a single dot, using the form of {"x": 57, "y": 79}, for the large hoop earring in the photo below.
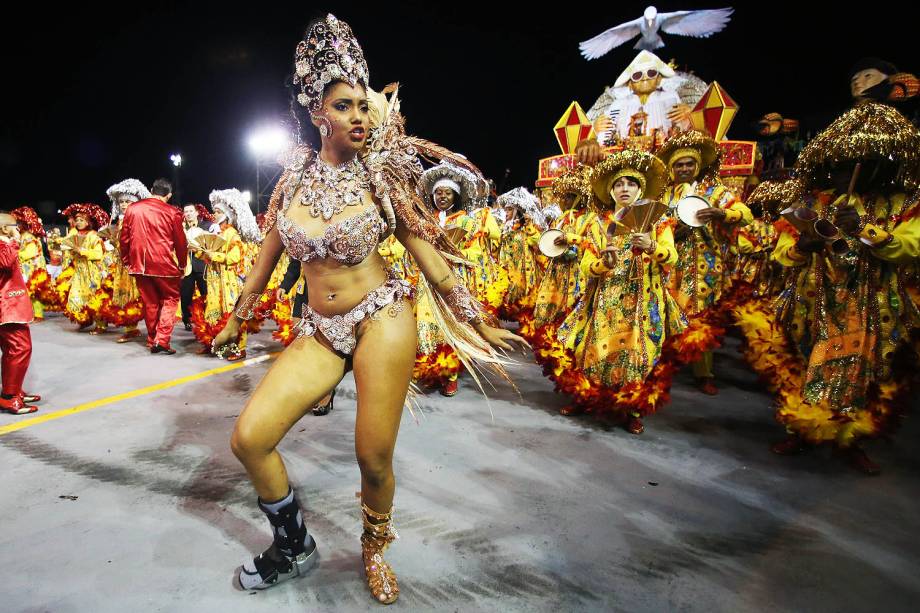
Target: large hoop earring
{"x": 325, "y": 126}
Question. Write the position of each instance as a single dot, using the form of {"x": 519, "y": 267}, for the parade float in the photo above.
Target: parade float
{"x": 649, "y": 102}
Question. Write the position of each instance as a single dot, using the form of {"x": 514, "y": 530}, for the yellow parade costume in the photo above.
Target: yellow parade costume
{"x": 86, "y": 295}
{"x": 83, "y": 300}
{"x": 847, "y": 318}
{"x": 845, "y": 341}
{"x": 517, "y": 256}
{"x": 609, "y": 352}
{"x": 436, "y": 363}
{"x": 221, "y": 275}
{"x": 697, "y": 281}
{"x": 31, "y": 262}
{"x": 618, "y": 328}
{"x": 224, "y": 273}
{"x": 480, "y": 237}
{"x": 562, "y": 283}
{"x": 517, "y": 252}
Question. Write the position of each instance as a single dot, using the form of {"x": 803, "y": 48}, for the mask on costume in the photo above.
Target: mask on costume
{"x": 869, "y": 79}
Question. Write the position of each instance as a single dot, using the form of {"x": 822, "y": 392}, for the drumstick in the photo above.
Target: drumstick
{"x": 852, "y": 187}
{"x": 853, "y": 179}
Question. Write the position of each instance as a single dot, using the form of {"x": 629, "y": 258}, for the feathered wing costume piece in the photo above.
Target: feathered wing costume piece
{"x": 392, "y": 158}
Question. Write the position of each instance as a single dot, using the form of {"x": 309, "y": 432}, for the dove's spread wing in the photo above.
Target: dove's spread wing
{"x": 699, "y": 24}
{"x": 594, "y": 48}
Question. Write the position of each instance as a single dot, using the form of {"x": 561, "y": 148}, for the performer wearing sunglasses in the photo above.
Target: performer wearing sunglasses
{"x": 645, "y": 103}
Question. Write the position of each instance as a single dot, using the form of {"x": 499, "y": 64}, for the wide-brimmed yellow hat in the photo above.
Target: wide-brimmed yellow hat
{"x": 645, "y": 168}
{"x": 576, "y": 180}
{"x": 695, "y": 144}
{"x": 869, "y": 130}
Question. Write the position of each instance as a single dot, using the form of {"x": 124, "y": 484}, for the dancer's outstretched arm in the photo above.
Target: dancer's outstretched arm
{"x": 441, "y": 278}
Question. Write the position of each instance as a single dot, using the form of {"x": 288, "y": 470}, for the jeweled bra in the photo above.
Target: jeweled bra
{"x": 349, "y": 241}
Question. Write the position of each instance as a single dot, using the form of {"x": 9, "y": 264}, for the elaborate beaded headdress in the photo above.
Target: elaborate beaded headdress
{"x": 329, "y": 52}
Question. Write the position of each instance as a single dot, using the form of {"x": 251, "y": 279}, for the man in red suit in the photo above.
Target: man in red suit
{"x": 15, "y": 316}
{"x": 154, "y": 249}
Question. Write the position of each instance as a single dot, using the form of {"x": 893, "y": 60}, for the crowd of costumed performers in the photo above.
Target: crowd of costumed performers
{"x": 703, "y": 260}
{"x": 615, "y": 347}
{"x": 838, "y": 343}
{"x": 631, "y": 264}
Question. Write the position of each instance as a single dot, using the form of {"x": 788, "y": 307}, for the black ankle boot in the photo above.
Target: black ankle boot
{"x": 292, "y": 553}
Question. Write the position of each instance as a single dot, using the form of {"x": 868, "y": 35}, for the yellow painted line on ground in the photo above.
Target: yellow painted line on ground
{"x": 86, "y": 406}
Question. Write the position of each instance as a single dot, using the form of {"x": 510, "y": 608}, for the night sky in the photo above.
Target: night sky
{"x": 94, "y": 96}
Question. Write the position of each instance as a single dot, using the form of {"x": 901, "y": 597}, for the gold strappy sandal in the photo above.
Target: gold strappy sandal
{"x": 377, "y": 536}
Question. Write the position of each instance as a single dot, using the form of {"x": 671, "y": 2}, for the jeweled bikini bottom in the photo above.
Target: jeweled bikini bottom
{"x": 339, "y": 330}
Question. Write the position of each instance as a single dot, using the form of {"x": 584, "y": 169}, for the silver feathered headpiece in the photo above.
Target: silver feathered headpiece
{"x": 232, "y": 203}
{"x": 329, "y": 52}
{"x": 522, "y": 199}
{"x": 131, "y": 187}
{"x": 473, "y": 187}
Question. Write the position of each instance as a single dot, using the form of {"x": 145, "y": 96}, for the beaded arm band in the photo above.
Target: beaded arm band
{"x": 244, "y": 307}
{"x": 462, "y": 304}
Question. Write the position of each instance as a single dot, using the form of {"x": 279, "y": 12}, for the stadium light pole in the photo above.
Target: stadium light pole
{"x": 176, "y": 159}
{"x": 265, "y": 144}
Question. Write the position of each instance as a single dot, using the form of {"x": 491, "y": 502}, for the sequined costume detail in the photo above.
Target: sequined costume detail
{"x": 339, "y": 330}
{"x": 350, "y": 241}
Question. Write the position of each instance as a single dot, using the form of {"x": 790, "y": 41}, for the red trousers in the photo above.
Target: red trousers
{"x": 16, "y": 345}
{"x": 161, "y": 299}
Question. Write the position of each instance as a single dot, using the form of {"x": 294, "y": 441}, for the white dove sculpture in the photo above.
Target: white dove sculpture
{"x": 699, "y": 24}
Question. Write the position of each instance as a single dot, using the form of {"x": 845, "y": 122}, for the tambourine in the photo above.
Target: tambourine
{"x": 688, "y": 207}
{"x": 548, "y": 246}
